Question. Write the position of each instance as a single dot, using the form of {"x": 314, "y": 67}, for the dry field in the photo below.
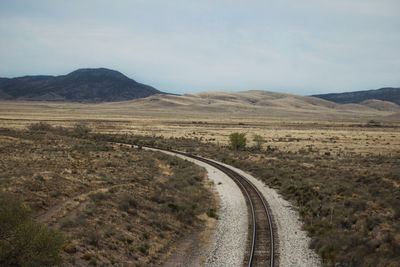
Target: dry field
{"x": 339, "y": 165}
{"x": 349, "y": 202}
{"x": 287, "y": 122}
{"x": 114, "y": 205}
{"x": 354, "y": 133}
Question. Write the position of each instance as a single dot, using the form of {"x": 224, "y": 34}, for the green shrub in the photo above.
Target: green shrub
{"x": 258, "y": 141}
{"x": 212, "y": 213}
{"x": 237, "y": 141}
{"x": 144, "y": 248}
{"x": 24, "y": 242}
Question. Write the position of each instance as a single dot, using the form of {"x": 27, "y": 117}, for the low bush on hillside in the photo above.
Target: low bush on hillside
{"x": 40, "y": 126}
{"x": 258, "y": 142}
{"x": 80, "y": 129}
{"x": 24, "y": 242}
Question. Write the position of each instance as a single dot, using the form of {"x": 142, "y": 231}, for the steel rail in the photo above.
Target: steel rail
{"x": 240, "y": 180}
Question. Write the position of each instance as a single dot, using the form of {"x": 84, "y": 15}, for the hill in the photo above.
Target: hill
{"x": 385, "y": 94}
{"x": 82, "y": 85}
{"x": 260, "y": 104}
{"x": 261, "y": 101}
{"x": 381, "y": 105}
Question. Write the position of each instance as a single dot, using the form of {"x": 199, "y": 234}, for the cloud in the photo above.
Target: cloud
{"x": 303, "y": 47}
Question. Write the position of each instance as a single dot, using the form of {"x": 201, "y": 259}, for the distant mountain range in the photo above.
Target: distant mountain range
{"x": 385, "y": 94}
{"x": 105, "y": 85}
{"x": 82, "y": 85}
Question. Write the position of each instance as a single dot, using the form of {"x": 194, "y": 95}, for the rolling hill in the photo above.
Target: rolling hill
{"x": 389, "y": 94}
{"x": 82, "y": 85}
{"x": 129, "y": 97}
{"x": 258, "y": 103}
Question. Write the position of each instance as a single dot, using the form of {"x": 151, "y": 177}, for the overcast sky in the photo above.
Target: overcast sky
{"x": 298, "y": 46}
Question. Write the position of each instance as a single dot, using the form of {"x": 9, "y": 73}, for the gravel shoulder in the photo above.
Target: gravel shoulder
{"x": 293, "y": 242}
{"x": 226, "y": 247}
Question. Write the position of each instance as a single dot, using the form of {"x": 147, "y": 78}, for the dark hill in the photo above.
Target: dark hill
{"x": 83, "y": 85}
{"x": 386, "y": 94}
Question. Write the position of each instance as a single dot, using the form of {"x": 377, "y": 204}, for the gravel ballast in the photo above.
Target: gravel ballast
{"x": 228, "y": 244}
{"x": 228, "y": 248}
{"x": 293, "y": 242}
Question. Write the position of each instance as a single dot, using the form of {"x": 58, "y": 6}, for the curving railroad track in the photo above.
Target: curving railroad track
{"x": 262, "y": 246}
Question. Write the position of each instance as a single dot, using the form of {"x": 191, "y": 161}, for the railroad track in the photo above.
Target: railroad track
{"x": 262, "y": 245}
{"x": 261, "y": 250}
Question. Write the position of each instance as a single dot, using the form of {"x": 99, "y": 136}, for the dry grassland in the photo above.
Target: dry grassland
{"x": 287, "y": 134}
{"x": 340, "y": 169}
{"x": 349, "y": 202}
{"x": 116, "y": 205}
{"x": 287, "y": 122}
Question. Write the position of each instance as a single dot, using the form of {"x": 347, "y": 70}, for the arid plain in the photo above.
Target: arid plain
{"x": 319, "y": 155}
{"x": 288, "y": 122}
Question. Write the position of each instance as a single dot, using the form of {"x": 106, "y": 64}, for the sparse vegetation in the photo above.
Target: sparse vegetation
{"x": 39, "y": 126}
{"x": 81, "y": 129}
{"x": 349, "y": 208}
{"x": 345, "y": 169}
{"x": 103, "y": 197}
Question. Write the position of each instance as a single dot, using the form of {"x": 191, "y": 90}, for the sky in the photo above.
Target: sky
{"x": 298, "y": 46}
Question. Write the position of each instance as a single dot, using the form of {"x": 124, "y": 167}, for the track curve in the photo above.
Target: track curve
{"x": 261, "y": 248}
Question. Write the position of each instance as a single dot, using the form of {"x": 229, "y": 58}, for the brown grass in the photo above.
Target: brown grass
{"x": 338, "y": 168}
{"x": 349, "y": 202}
{"x": 115, "y": 204}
